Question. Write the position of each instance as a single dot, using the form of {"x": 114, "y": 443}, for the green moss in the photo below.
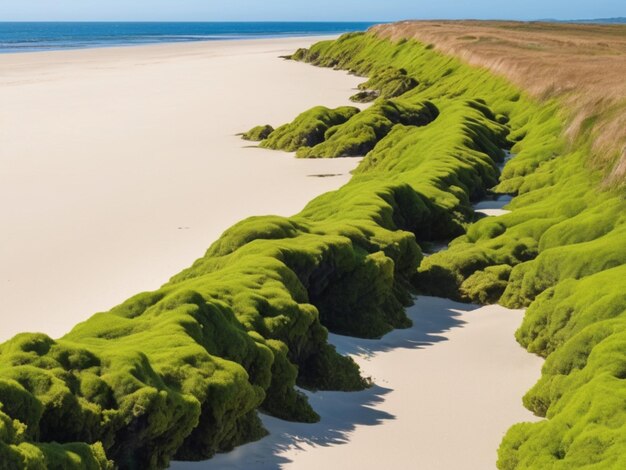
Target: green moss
{"x": 362, "y": 132}
{"x": 580, "y": 326}
{"x": 486, "y": 287}
{"x": 364, "y": 96}
{"x": 258, "y": 133}
{"x": 389, "y": 82}
{"x": 308, "y": 128}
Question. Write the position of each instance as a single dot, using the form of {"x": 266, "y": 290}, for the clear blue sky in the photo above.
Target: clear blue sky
{"x": 303, "y": 10}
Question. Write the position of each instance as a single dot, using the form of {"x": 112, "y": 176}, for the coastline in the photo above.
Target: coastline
{"x": 25, "y": 36}
{"x": 201, "y": 45}
{"x": 83, "y": 130}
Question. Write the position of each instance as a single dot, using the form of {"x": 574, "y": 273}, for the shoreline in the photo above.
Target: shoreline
{"x": 121, "y": 124}
{"x": 200, "y": 43}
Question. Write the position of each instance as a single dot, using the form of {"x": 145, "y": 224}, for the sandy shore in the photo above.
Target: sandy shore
{"x": 119, "y": 166}
{"x": 446, "y": 391}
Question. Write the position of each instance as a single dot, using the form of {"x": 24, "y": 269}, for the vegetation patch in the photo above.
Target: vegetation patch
{"x": 362, "y": 132}
{"x": 258, "y": 133}
{"x": 308, "y": 129}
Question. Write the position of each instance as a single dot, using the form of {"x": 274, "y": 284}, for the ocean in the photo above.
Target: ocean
{"x": 41, "y": 36}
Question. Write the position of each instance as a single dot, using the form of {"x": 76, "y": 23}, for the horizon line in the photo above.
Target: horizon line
{"x": 315, "y": 21}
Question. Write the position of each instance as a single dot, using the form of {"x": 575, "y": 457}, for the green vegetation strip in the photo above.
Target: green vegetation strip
{"x": 180, "y": 372}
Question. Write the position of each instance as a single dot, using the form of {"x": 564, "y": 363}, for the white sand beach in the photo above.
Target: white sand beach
{"x": 119, "y": 166}
{"x": 446, "y": 391}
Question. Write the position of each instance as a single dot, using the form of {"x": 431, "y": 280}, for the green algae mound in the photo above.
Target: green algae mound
{"x": 362, "y": 132}
{"x": 308, "y": 128}
{"x": 344, "y": 132}
{"x": 180, "y": 372}
{"x": 364, "y": 96}
{"x": 389, "y": 82}
{"x": 258, "y": 133}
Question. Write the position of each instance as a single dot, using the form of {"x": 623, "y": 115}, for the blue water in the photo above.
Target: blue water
{"x": 26, "y": 37}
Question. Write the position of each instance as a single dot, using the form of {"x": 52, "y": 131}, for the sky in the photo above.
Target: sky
{"x": 304, "y": 10}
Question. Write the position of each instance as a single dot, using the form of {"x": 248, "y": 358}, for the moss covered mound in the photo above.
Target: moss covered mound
{"x": 362, "y": 132}
{"x": 390, "y": 82}
{"x": 258, "y": 133}
{"x": 308, "y": 128}
{"x": 365, "y": 96}
{"x": 580, "y": 326}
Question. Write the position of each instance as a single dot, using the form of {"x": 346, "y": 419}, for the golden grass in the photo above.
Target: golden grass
{"x": 583, "y": 65}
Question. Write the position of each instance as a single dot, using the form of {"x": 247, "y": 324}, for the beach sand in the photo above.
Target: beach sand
{"x": 446, "y": 391}
{"x": 119, "y": 166}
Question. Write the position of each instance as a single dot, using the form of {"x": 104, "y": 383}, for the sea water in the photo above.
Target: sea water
{"x": 42, "y": 36}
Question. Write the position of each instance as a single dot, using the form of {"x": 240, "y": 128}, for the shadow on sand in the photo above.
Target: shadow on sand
{"x": 431, "y": 316}
{"x": 341, "y": 412}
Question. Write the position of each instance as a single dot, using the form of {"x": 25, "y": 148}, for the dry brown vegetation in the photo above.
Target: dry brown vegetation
{"x": 582, "y": 65}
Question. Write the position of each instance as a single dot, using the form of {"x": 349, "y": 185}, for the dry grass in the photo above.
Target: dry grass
{"x": 584, "y": 65}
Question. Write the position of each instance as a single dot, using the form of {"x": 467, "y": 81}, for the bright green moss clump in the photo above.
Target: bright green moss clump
{"x": 313, "y": 134}
{"x": 308, "y": 129}
{"x": 364, "y": 96}
{"x": 580, "y": 326}
{"x": 258, "y": 133}
{"x": 486, "y": 287}
{"x": 389, "y": 82}
{"x": 360, "y": 134}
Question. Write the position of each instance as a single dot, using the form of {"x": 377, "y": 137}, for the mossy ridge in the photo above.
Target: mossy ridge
{"x": 562, "y": 228}
{"x": 361, "y": 133}
{"x": 389, "y": 82}
{"x": 343, "y": 132}
{"x": 258, "y": 133}
{"x": 308, "y": 128}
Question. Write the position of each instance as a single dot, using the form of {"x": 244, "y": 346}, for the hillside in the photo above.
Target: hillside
{"x": 581, "y": 65}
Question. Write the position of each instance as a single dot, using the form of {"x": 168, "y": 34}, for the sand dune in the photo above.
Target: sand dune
{"x": 119, "y": 167}
{"x": 446, "y": 391}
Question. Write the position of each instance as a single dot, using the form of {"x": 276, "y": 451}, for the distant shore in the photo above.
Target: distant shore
{"x": 16, "y": 37}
